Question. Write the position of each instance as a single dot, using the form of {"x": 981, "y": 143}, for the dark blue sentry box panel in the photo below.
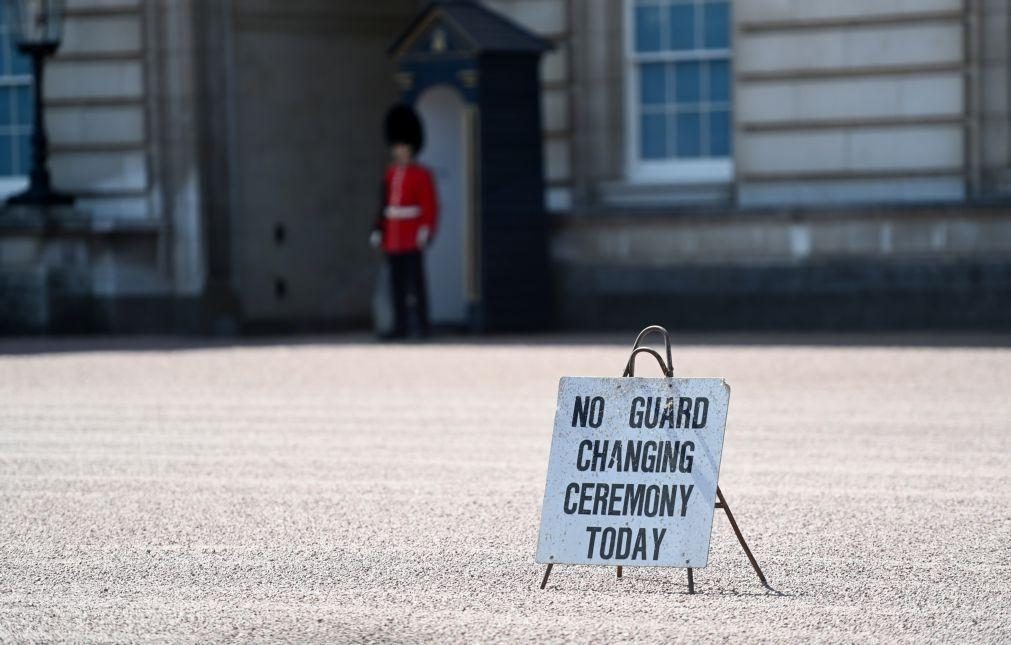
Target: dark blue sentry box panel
{"x": 493, "y": 63}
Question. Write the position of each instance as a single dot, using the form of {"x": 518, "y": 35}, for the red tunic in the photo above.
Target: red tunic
{"x": 411, "y": 203}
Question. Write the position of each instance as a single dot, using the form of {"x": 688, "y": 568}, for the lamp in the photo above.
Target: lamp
{"x": 37, "y": 28}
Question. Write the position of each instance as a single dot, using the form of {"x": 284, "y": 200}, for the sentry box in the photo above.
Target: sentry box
{"x": 634, "y": 470}
{"x": 473, "y": 76}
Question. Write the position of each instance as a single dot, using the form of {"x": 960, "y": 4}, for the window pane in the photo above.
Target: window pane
{"x": 689, "y": 134}
{"x": 6, "y": 47}
{"x": 647, "y": 28}
{"x": 6, "y": 101}
{"x": 719, "y": 81}
{"x": 687, "y": 82}
{"x": 15, "y": 104}
{"x": 22, "y": 65}
{"x": 716, "y": 19}
{"x": 7, "y": 144}
{"x": 653, "y": 136}
{"x": 682, "y": 26}
{"x": 24, "y": 105}
{"x": 24, "y": 154}
{"x": 653, "y": 84}
{"x": 719, "y": 133}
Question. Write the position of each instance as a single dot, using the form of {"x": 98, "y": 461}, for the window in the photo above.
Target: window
{"x": 679, "y": 90}
{"x": 16, "y": 110}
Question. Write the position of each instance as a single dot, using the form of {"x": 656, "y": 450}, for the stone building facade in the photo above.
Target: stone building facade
{"x": 708, "y": 163}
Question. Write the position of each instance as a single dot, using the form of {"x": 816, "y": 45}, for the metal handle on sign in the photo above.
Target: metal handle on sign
{"x": 666, "y": 340}
{"x": 630, "y": 366}
{"x": 668, "y": 367}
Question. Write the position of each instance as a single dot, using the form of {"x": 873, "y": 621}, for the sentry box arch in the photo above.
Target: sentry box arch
{"x": 473, "y": 77}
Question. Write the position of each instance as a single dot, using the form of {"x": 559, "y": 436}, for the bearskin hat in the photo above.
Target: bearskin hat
{"x": 404, "y": 126}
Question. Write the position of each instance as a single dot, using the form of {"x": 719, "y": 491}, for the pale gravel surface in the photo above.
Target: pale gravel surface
{"x": 332, "y": 490}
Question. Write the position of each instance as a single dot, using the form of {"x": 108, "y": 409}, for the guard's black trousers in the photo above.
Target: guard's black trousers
{"x": 407, "y": 277}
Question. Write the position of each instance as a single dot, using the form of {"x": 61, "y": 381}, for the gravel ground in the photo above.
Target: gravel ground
{"x": 333, "y": 490}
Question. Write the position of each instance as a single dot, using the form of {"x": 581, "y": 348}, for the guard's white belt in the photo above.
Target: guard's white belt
{"x": 403, "y": 212}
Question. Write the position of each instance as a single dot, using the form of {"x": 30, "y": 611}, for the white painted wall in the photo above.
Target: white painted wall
{"x": 96, "y": 112}
{"x": 832, "y": 107}
{"x": 747, "y": 10}
{"x": 850, "y": 98}
{"x": 846, "y": 48}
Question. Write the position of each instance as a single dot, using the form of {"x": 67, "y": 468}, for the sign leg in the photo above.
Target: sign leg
{"x": 547, "y": 572}
{"x": 619, "y": 570}
{"x": 740, "y": 537}
{"x": 691, "y": 581}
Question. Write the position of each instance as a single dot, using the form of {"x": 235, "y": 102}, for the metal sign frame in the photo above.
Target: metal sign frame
{"x": 721, "y": 502}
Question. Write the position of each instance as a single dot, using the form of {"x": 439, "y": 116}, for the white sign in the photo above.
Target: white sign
{"x": 633, "y": 471}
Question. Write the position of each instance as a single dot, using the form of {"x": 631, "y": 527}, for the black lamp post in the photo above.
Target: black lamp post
{"x": 37, "y": 26}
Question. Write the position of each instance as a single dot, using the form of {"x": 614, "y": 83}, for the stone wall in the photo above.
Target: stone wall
{"x": 851, "y": 102}
{"x": 841, "y": 102}
{"x": 226, "y": 156}
{"x": 310, "y": 83}
{"x": 882, "y": 268}
{"x": 119, "y": 105}
{"x": 840, "y": 109}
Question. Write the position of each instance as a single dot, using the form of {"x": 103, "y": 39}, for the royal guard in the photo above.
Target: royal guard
{"x": 407, "y": 222}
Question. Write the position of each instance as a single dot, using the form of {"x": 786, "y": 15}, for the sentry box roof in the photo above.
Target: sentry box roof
{"x": 464, "y": 26}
